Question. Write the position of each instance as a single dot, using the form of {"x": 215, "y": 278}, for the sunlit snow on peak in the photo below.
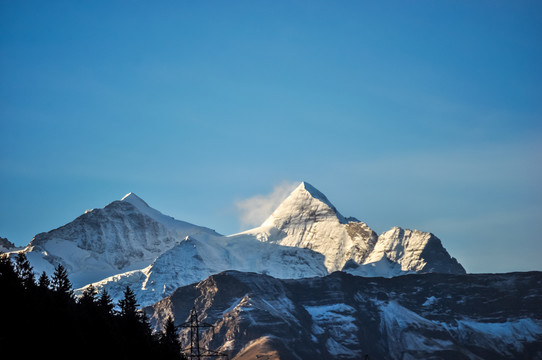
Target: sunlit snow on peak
{"x": 133, "y": 198}
{"x": 314, "y": 192}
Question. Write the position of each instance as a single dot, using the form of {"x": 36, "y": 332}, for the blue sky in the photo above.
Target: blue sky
{"x": 421, "y": 114}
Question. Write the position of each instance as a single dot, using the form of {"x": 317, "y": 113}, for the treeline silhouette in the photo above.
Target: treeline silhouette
{"x": 41, "y": 318}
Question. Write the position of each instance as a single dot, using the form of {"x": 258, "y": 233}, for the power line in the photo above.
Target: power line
{"x": 195, "y": 351}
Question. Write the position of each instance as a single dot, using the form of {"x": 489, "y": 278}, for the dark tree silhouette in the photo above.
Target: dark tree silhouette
{"x": 24, "y": 271}
{"x": 105, "y": 304}
{"x": 88, "y": 298}
{"x": 128, "y": 305}
{"x": 61, "y": 328}
{"x": 8, "y": 276}
{"x": 60, "y": 282}
{"x": 169, "y": 337}
{"x": 130, "y": 315}
{"x": 43, "y": 282}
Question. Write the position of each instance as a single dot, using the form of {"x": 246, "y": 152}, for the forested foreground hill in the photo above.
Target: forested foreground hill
{"x": 42, "y": 318}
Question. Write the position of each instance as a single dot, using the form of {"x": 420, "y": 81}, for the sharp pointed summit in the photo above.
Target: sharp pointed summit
{"x": 132, "y": 197}
{"x": 135, "y": 200}
{"x": 307, "y": 219}
{"x": 305, "y": 203}
{"x": 314, "y": 192}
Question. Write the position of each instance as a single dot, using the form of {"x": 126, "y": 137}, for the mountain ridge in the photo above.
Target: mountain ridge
{"x": 342, "y": 316}
{"x": 130, "y": 243}
{"x": 307, "y": 219}
{"x": 307, "y": 283}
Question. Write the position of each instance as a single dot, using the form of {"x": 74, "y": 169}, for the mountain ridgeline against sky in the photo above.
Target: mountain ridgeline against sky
{"x": 308, "y": 283}
{"x": 128, "y": 243}
{"x": 307, "y": 219}
{"x": 125, "y": 235}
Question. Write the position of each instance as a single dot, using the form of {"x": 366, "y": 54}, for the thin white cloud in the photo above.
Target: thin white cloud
{"x": 254, "y": 210}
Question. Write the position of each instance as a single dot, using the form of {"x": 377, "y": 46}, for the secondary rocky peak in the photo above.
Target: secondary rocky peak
{"x": 413, "y": 251}
{"x": 6, "y": 245}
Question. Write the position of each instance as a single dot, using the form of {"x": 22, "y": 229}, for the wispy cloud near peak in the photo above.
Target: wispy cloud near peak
{"x": 254, "y": 210}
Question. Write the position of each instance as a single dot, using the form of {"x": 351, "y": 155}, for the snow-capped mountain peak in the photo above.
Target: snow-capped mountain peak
{"x": 307, "y": 219}
{"x": 123, "y": 236}
{"x": 165, "y": 220}
{"x": 144, "y": 208}
{"x": 304, "y": 204}
{"x": 315, "y": 193}
{"x": 135, "y": 200}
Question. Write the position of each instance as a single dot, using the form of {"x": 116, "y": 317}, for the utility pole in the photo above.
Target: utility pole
{"x": 195, "y": 352}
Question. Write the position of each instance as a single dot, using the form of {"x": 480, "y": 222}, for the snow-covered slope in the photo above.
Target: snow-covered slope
{"x": 123, "y": 236}
{"x": 193, "y": 260}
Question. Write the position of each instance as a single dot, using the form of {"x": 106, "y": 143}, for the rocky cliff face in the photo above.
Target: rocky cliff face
{"x": 401, "y": 251}
{"x": 6, "y": 245}
{"x": 340, "y": 316}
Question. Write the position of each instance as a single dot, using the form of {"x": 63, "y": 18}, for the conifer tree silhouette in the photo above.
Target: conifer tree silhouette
{"x": 63, "y": 327}
{"x": 128, "y": 305}
{"x": 8, "y": 276}
{"x": 24, "y": 271}
{"x": 88, "y": 298}
{"x": 169, "y": 337}
{"x": 60, "y": 282}
{"x": 105, "y": 303}
{"x": 43, "y": 282}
